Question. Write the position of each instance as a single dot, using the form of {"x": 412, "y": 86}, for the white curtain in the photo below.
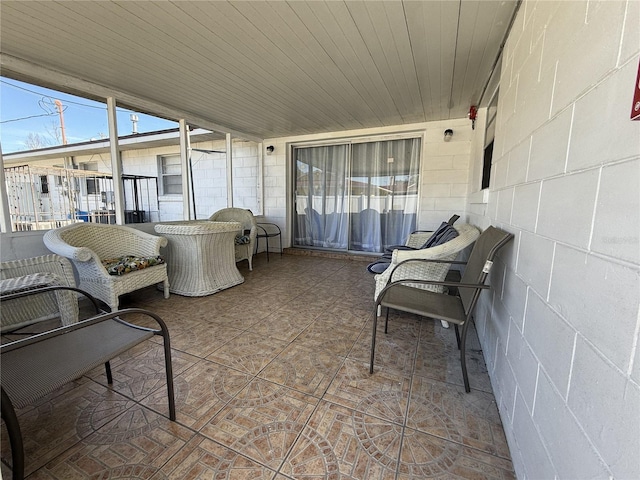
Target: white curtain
{"x": 361, "y": 196}
{"x": 321, "y": 219}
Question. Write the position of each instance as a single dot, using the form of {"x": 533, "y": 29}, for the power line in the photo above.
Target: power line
{"x": 43, "y": 95}
{"x": 26, "y": 118}
{"x": 65, "y": 101}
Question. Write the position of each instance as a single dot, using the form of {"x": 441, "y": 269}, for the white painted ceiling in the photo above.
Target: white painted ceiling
{"x": 264, "y": 68}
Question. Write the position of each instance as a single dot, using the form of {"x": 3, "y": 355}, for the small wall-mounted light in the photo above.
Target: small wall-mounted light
{"x": 270, "y": 149}
{"x": 448, "y": 133}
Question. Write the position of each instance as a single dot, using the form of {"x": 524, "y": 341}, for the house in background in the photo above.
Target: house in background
{"x": 75, "y": 181}
{"x": 560, "y": 326}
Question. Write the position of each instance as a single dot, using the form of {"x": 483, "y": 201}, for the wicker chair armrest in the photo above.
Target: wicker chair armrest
{"x": 418, "y": 238}
{"x": 393, "y": 267}
{"x": 59, "y": 246}
{"x": 155, "y": 240}
{"x": 52, "y": 263}
{"x": 146, "y": 243}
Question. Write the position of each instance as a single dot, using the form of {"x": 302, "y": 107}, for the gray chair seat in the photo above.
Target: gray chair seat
{"x": 420, "y": 302}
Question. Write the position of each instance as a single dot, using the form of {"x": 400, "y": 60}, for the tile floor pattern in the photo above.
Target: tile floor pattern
{"x": 272, "y": 382}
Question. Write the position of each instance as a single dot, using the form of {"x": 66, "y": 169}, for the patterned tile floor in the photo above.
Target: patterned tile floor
{"x": 272, "y": 382}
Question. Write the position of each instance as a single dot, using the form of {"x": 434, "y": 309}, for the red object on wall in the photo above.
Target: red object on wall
{"x": 635, "y": 107}
{"x": 473, "y": 113}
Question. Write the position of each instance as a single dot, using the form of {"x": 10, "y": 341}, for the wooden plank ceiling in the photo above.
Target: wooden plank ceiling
{"x": 266, "y": 68}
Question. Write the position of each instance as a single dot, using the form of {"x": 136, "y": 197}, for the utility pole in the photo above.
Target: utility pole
{"x": 64, "y": 135}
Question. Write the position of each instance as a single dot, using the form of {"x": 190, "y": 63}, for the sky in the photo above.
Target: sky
{"x": 28, "y": 109}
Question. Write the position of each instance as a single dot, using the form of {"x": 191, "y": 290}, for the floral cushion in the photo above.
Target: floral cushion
{"x": 242, "y": 240}
{"x": 130, "y": 263}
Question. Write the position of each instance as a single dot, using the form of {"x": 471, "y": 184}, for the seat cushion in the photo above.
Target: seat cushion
{"x": 242, "y": 240}
{"x": 443, "y": 234}
{"x": 130, "y": 263}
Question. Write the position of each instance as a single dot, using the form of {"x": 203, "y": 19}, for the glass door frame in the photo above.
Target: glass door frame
{"x": 376, "y": 137}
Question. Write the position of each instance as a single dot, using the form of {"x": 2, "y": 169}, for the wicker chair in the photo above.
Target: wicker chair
{"x": 36, "y": 272}
{"x": 87, "y": 244}
{"x": 436, "y": 271}
{"x": 248, "y": 221}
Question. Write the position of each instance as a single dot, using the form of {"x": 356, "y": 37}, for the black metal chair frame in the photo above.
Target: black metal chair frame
{"x": 266, "y": 235}
{"x": 33, "y": 347}
{"x": 469, "y": 289}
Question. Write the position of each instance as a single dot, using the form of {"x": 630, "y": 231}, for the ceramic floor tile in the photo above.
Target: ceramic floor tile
{"x": 322, "y": 337}
{"x": 202, "y": 338}
{"x": 425, "y": 456}
{"x": 272, "y": 382}
{"x": 248, "y": 352}
{"x": 395, "y": 351}
{"x": 382, "y": 394}
{"x": 202, "y": 458}
{"x": 134, "y": 445}
{"x": 342, "y": 443}
{"x": 262, "y": 421}
{"x": 145, "y": 373}
{"x": 338, "y": 320}
{"x": 449, "y": 412}
{"x": 306, "y": 370}
{"x": 200, "y": 392}
{"x": 238, "y": 320}
{"x": 439, "y": 359}
{"x": 307, "y": 313}
{"x": 57, "y": 423}
{"x": 282, "y": 325}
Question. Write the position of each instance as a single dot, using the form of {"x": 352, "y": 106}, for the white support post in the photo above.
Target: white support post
{"x": 229, "y": 150}
{"x": 259, "y": 187}
{"x": 116, "y": 164}
{"x": 185, "y": 153}
{"x": 5, "y": 214}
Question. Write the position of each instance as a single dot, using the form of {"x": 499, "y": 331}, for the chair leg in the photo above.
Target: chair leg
{"x": 15, "y": 436}
{"x": 386, "y": 322}
{"x": 455, "y": 327}
{"x": 166, "y": 288}
{"x": 463, "y": 356}
{"x": 169, "y": 374}
{"x": 107, "y": 369}
{"x": 373, "y": 337}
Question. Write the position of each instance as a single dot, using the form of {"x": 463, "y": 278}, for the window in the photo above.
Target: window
{"x": 44, "y": 185}
{"x": 170, "y": 171}
{"x": 489, "y": 135}
{"x": 91, "y": 184}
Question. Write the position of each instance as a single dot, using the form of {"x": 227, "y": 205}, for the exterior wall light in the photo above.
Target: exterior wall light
{"x": 270, "y": 149}
{"x": 448, "y": 133}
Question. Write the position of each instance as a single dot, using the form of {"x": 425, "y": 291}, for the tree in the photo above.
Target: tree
{"x": 35, "y": 141}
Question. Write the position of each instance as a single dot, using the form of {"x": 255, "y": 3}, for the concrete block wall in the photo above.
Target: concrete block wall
{"x": 245, "y": 175}
{"x": 560, "y": 328}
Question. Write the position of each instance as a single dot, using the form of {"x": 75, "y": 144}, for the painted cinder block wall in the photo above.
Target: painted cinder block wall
{"x": 444, "y": 174}
{"x": 560, "y": 327}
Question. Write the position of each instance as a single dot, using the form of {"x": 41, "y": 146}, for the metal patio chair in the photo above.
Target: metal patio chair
{"x": 443, "y": 306}
{"x": 37, "y": 365}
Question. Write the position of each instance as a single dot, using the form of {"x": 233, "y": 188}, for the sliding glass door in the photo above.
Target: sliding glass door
{"x": 356, "y": 196}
